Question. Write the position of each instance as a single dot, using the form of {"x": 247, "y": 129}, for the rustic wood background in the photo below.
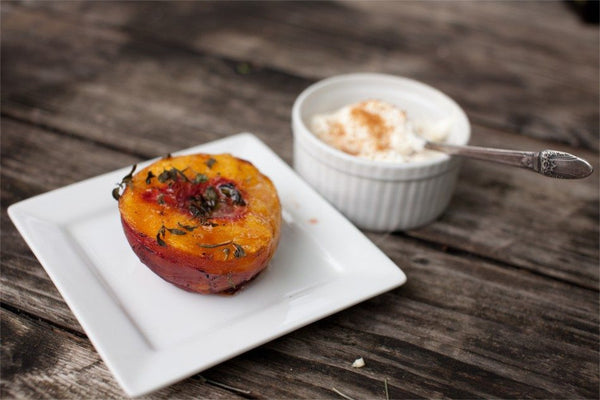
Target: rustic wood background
{"x": 502, "y": 296}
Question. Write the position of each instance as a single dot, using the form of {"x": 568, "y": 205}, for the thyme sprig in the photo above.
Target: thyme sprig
{"x": 210, "y": 162}
{"x": 237, "y": 253}
{"x": 200, "y": 178}
{"x": 126, "y": 181}
{"x": 188, "y": 228}
{"x": 203, "y": 205}
{"x": 159, "y": 239}
{"x": 160, "y": 236}
{"x": 172, "y": 174}
{"x": 162, "y": 232}
{"x": 149, "y": 177}
{"x": 229, "y": 190}
{"x": 212, "y": 246}
{"x": 176, "y": 231}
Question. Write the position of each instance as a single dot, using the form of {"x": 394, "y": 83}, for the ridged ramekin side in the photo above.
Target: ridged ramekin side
{"x": 378, "y": 195}
{"x": 379, "y": 204}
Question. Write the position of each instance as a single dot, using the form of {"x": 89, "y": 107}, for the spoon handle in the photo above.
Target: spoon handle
{"x": 552, "y": 163}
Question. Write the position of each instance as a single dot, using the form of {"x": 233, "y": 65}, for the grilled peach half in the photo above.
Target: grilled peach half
{"x": 205, "y": 223}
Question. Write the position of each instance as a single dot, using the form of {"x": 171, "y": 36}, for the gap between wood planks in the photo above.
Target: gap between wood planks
{"x": 40, "y": 322}
{"x": 463, "y": 253}
{"x": 147, "y": 38}
{"x": 74, "y": 135}
{"x": 36, "y": 318}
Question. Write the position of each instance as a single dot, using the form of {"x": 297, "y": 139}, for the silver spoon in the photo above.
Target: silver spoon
{"x": 556, "y": 164}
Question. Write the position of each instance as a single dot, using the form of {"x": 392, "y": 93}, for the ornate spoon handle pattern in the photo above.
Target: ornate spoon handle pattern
{"x": 552, "y": 163}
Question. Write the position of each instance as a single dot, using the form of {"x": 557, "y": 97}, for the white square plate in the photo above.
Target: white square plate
{"x": 152, "y": 334}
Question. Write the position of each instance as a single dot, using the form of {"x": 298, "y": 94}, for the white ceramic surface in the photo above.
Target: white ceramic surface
{"x": 378, "y": 195}
{"x": 152, "y": 334}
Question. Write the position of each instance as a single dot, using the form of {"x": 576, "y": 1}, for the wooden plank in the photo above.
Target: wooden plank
{"x": 461, "y": 327}
{"x": 148, "y": 100}
{"x": 496, "y": 326}
{"x": 521, "y": 218}
{"x": 40, "y": 361}
{"x": 35, "y": 161}
{"x": 458, "y": 329}
{"x": 502, "y": 331}
{"x": 486, "y": 216}
{"x": 139, "y": 97}
{"x": 509, "y": 65}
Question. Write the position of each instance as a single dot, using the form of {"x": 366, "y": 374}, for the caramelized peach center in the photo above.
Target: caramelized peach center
{"x": 216, "y": 198}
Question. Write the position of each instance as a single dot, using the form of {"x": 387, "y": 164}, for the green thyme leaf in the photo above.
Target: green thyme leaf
{"x": 210, "y": 162}
{"x": 239, "y": 251}
{"x": 212, "y": 246}
{"x": 149, "y": 177}
{"x": 195, "y": 211}
{"x": 200, "y": 178}
{"x": 126, "y": 181}
{"x": 171, "y": 175}
{"x": 229, "y": 190}
{"x": 176, "y": 172}
{"x": 210, "y": 194}
{"x": 188, "y": 228}
{"x": 164, "y": 176}
{"x": 159, "y": 240}
{"x": 176, "y": 231}
{"x": 127, "y": 178}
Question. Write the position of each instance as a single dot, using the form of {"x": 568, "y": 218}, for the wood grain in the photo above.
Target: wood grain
{"x": 511, "y": 334}
{"x": 140, "y": 97}
{"x": 504, "y": 334}
{"x": 136, "y": 100}
{"x": 502, "y": 292}
{"x": 510, "y": 67}
{"x": 40, "y": 361}
{"x": 517, "y": 217}
{"x": 34, "y": 161}
{"x": 458, "y": 328}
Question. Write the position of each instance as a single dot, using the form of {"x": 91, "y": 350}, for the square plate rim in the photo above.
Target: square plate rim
{"x": 135, "y": 385}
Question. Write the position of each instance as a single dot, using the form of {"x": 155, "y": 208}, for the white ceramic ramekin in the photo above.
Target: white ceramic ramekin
{"x": 378, "y": 195}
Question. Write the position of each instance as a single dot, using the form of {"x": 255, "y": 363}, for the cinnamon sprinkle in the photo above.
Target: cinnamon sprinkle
{"x": 379, "y": 130}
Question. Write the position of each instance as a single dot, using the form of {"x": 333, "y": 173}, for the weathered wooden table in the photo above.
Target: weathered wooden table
{"x": 502, "y": 292}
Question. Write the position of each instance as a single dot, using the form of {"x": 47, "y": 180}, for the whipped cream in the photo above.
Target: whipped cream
{"x": 377, "y": 130}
